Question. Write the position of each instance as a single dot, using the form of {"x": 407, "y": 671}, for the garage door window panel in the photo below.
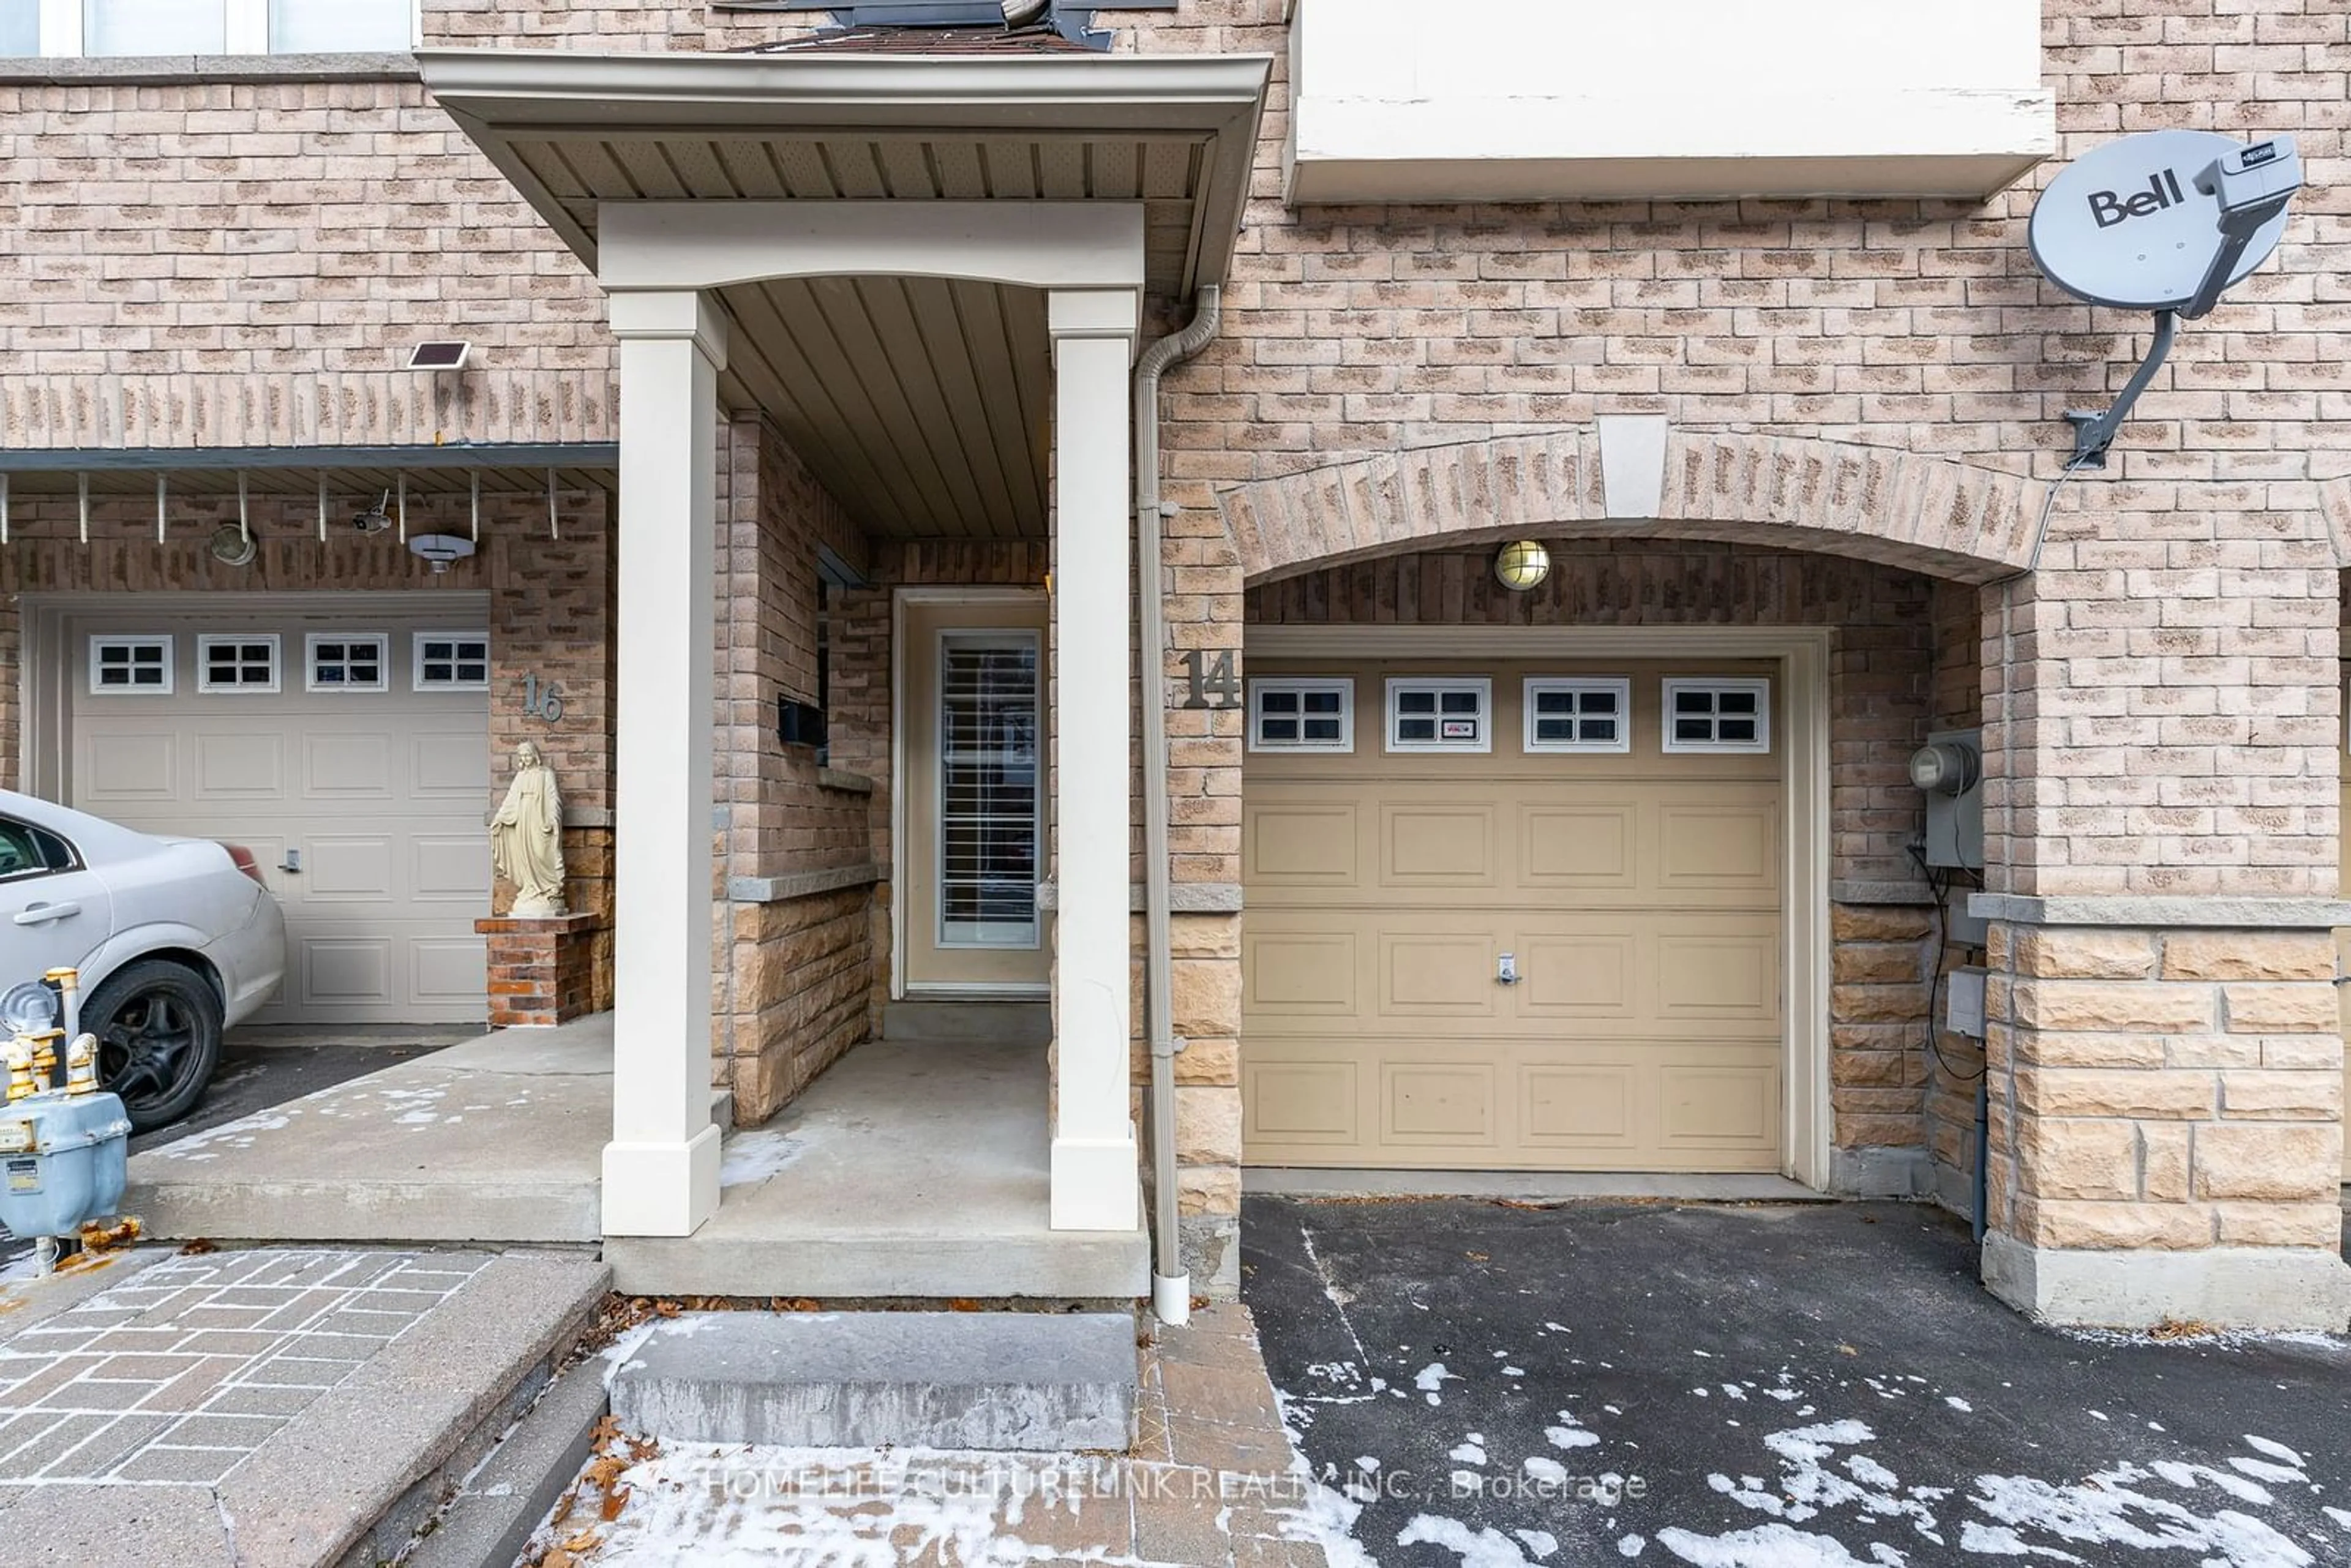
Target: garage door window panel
{"x": 452, "y": 662}
{"x": 1589, "y": 715}
{"x": 131, "y": 666}
{"x": 1718, "y": 715}
{"x": 241, "y": 662}
{"x": 1303, "y": 716}
{"x": 1433, "y": 715}
{"x": 346, "y": 662}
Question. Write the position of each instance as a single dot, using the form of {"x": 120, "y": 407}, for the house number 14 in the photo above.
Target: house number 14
{"x": 1213, "y": 683}
{"x": 542, "y": 700}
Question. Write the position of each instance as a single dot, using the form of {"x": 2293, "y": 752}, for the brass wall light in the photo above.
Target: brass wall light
{"x": 1521, "y": 565}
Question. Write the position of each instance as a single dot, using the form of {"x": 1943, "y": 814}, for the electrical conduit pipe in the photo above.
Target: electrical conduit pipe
{"x": 1171, "y": 1282}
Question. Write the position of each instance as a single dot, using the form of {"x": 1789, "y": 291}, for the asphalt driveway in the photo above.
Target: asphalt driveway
{"x": 1803, "y": 1386}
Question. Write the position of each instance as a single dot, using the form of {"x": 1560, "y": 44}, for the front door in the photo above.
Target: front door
{"x": 974, "y": 723}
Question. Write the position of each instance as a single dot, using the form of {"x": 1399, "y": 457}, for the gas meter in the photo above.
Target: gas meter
{"x": 64, "y": 1151}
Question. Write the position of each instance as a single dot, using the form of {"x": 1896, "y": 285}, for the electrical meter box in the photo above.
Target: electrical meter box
{"x": 1963, "y": 1002}
{"x": 64, "y": 1159}
{"x": 1950, "y": 771}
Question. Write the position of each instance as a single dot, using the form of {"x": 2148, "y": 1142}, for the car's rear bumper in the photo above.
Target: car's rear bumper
{"x": 251, "y": 960}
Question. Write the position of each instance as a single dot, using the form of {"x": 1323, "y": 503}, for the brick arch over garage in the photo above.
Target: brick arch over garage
{"x": 1923, "y": 514}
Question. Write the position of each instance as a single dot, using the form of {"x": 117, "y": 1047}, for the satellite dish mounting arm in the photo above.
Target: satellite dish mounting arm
{"x": 2250, "y": 186}
{"x": 2094, "y": 432}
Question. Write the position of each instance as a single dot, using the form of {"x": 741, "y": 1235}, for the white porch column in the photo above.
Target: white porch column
{"x": 1096, "y": 1186}
{"x": 661, "y": 1169}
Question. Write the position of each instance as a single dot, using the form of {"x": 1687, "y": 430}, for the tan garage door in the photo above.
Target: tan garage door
{"x": 347, "y": 750}
{"x": 1636, "y": 890}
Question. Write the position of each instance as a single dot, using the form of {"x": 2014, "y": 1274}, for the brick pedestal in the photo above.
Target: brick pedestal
{"x": 542, "y": 968}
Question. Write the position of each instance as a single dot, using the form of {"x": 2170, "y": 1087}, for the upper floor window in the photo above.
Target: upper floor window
{"x": 101, "y": 28}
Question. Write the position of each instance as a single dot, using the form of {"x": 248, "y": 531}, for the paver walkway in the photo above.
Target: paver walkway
{"x": 177, "y": 1377}
{"x": 268, "y": 1408}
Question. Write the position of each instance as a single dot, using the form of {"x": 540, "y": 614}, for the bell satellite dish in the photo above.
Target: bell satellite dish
{"x": 2166, "y": 221}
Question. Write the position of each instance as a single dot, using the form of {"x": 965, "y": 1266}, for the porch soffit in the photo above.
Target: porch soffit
{"x": 921, "y": 402}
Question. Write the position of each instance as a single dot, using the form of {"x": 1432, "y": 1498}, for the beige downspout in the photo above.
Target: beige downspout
{"x": 1171, "y": 1284}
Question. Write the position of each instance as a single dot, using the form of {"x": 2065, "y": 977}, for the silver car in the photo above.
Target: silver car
{"x": 177, "y": 939}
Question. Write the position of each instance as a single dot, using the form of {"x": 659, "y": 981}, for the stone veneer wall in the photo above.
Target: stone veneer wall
{"x": 792, "y": 983}
{"x": 1880, "y": 699}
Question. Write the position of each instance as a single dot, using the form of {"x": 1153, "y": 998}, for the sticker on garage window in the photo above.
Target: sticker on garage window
{"x": 131, "y": 666}
{"x": 453, "y": 661}
{"x": 236, "y": 662}
{"x": 1722, "y": 715}
{"x": 346, "y": 660}
{"x": 1440, "y": 713}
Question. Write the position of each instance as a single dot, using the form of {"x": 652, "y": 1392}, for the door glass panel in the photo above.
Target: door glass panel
{"x": 990, "y": 789}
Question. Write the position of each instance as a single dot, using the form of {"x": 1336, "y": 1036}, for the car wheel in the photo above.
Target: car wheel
{"x": 159, "y": 1031}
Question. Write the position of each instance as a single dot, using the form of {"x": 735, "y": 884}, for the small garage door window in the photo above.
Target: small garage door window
{"x": 236, "y": 662}
{"x": 1718, "y": 715}
{"x": 1581, "y": 714}
{"x": 1428, "y": 713}
{"x": 345, "y": 662}
{"x": 1301, "y": 716}
{"x": 129, "y": 666}
{"x": 453, "y": 661}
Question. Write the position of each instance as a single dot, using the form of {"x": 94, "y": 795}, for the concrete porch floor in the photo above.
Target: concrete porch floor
{"x": 907, "y": 1171}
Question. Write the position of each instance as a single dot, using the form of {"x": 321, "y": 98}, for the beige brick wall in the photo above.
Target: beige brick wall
{"x": 216, "y": 263}
{"x": 793, "y": 991}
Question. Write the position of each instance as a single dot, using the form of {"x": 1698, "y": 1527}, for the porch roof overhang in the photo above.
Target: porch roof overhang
{"x": 919, "y": 396}
{"x": 1174, "y": 132}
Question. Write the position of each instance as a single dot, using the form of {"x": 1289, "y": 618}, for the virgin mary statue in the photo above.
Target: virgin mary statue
{"x": 527, "y": 836}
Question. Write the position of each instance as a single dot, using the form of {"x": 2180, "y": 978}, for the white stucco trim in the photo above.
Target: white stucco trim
{"x": 1025, "y": 244}
{"x": 1809, "y": 1119}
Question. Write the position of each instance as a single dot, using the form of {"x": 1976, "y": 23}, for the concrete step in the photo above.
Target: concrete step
{"x": 1018, "y": 1381}
{"x": 489, "y": 1522}
{"x": 968, "y": 1022}
{"x": 459, "y": 1383}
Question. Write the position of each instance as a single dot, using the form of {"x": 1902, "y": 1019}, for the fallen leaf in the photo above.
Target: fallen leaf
{"x": 1847, "y": 1350}
{"x": 614, "y": 1501}
{"x": 580, "y": 1545}
{"x": 199, "y": 1247}
{"x": 555, "y": 1558}
{"x": 962, "y": 1304}
{"x": 1475, "y": 1257}
{"x": 666, "y": 1309}
{"x": 106, "y": 1238}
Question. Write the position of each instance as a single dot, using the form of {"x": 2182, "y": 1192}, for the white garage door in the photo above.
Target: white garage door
{"x": 1513, "y": 916}
{"x": 347, "y": 750}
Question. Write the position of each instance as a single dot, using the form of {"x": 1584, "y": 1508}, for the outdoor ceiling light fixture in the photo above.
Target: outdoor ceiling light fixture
{"x": 439, "y": 356}
{"x": 441, "y": 550}
{"x": 1521, "y": 565}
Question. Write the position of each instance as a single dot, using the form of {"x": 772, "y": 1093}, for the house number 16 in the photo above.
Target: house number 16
{"x": 542, "y": 700}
